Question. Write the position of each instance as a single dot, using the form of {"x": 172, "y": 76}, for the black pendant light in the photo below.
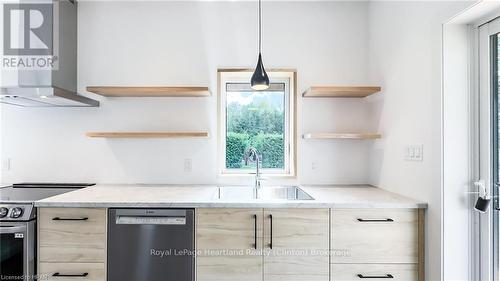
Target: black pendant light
{"x": 260, "y": 80}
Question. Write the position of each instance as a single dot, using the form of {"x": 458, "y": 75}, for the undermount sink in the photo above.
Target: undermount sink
{"x": 265, "y": 193}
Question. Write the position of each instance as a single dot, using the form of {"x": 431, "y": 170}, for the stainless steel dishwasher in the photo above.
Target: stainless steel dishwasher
{"x": 151, "y": 244}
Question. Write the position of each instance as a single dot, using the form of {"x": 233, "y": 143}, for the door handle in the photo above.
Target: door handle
{"x": 69, "y": 219}
{"x": 57, "y": 274}
{"x": 255, "y": 232}
{"x": 12, "y": 229}
{"x": 271, "y": 231}
{"x": 496, "y": 200}
{"x": 376, "y": 220}
{"x": 387, "y": 276}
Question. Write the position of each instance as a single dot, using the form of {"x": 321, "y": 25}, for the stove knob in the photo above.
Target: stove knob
{"x": 3, "y": 212}
{"x": 16, "y": 212}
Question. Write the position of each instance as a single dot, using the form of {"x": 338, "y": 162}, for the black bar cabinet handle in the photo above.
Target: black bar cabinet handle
{"x": 387, "y": 276}
{"x": 255, "y": 231}
{"x": 69, "y": 219}
{"x": 271, "y": 230}
{"x": 57, "y": 274}
{"x": 375, "y": 220}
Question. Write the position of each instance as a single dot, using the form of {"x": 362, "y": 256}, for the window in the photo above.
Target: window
{"x": 264, "y": 120}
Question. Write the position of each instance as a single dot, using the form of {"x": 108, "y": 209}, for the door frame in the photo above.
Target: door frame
{"x": 466, "y": 240}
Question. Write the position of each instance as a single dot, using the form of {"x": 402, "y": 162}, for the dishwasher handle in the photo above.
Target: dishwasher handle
{"x": 151, "y": 216}
{"x": 151, "y": 220}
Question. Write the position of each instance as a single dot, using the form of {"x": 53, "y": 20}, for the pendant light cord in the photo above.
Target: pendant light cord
{"x": 260, "y": 27}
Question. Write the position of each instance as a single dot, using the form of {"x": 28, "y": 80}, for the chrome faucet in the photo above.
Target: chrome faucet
{"x": 253, "y": 156}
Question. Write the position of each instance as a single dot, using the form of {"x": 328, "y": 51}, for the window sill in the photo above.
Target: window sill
{"x": 236, "y": 175}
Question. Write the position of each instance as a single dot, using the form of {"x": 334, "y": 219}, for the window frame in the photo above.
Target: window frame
{"x": 244, "y": 75}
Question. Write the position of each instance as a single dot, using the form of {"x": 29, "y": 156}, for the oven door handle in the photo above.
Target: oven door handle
{"x": 5, "y": 229}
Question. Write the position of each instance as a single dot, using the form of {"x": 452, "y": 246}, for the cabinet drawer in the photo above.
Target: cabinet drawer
{"x": 80, "y": 271}
{"x": 72, "y": 234}
{"x": 359, "y": 272}
{"x": 85, "y": 253}
{"x": 374, "y": 236}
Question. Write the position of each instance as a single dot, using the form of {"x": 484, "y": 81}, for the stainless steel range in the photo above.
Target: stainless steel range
{"x": 18, "y": 226}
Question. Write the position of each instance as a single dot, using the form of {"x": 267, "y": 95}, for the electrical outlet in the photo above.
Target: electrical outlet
{"x": 414, "y": 152}
{"x": 188, "y": 165}
{"x": 313, "y": 165}
{"x": 6, "y": 164}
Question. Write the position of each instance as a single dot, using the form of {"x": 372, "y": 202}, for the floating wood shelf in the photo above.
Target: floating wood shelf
{"x": 356, "y": 136}
{"x": 147, "y": 134}
{"x": 149, "y": 91}
{"x": 340, "y": 92}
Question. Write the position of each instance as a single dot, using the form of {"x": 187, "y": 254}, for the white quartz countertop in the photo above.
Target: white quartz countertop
{"x": 203, "y": 196}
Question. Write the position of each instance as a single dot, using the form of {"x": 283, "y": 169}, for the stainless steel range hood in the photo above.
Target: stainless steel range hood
{"x": 44, "y": 97}
{"x": 49, "y": 86}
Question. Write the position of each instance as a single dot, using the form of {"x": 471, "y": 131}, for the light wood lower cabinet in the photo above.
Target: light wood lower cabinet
{"x": 72, "y": 241}
{"x": 375, "y": 236}
{"x": 72, "y": 235}
{"x": 229, "y": 268}
{"x": 296, "y": 244}
{"x": 358, "y": 272}
{"x": 71, "y": 254}
{"x": 72, "y": 271}
{"x": 233, "y": 229}
{"x": 299, "y": 239}
{"x": 225, "y": 241}
{"x": 254, "y": 244}
{"x": 377, "y": 244}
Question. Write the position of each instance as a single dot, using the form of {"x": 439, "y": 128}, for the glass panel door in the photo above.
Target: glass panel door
{"x": 489, "y": 146}
{"x": 11, "y": 254}
{"x": 494, "y": 66}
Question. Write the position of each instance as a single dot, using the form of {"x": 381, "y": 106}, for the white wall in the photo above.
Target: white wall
{"x": 183, "y": 43}
{"x": 405, "y": 57}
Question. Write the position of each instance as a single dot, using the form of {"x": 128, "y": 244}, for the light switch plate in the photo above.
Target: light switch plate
{"x": 414, "y": 152}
